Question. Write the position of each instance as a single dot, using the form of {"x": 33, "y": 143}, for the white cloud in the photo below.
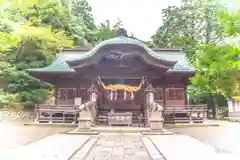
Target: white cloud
{"x": 142, "y": 17}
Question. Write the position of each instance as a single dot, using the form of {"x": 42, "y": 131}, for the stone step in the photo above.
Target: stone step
{"x": 80, "y": 132}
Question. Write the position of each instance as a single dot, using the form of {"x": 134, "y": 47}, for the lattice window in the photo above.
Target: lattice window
{"x": 159, "y": 95}
{"x": 84, "y": 94}
{"x": 66, "y": 93}
{"x": 175, "y": 94}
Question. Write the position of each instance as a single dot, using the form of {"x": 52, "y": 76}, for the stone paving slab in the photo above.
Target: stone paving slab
{"x": 152, "y": 150}
{"x": 56, "y": 147}
{"x": 183, "y": 147}
{"x": 118, "y": 146}
{"x": 82, "y": 153}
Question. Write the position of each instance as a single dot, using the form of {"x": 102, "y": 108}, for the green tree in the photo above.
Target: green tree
{"x": 34, "y": 42}
{"x": 187, "y": 26}
{"x": 217, "y": 72}
{"x": 193, "y": 27}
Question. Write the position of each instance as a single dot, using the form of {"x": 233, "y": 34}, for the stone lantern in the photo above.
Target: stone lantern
{"x": 150, "y": 94}
{"x": 93, "y": 93}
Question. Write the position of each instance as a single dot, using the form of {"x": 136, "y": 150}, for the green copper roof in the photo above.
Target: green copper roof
{"x": 182, "y": 64}
{"x": 118, "y": 40}
{"x": 60, "y": 65}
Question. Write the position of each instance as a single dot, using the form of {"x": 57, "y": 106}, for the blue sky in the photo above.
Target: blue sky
{"x": 141, "y": 17}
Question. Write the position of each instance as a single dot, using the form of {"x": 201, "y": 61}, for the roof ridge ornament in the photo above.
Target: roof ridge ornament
{"x": 122, "y": 32}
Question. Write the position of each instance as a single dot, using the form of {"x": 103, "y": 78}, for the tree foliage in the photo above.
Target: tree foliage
{"x": 31, "y": 41}
{"x": 201, "y": 29}
{"x": 218, "y": 71}
{"x": 188, "y": 25}
{"x": 32, "y": 32}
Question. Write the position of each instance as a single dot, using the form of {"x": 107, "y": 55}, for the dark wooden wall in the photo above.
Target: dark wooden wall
{"x": 170, "y": 88}
{"x": 167, "y": 92}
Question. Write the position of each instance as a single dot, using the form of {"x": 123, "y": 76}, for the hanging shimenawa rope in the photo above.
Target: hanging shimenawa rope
{"x": 123, "y": 87}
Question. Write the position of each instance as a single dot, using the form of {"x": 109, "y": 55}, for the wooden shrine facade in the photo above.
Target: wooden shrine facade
{"x": 165, "y": 95}
{"x": 120, "y": 70}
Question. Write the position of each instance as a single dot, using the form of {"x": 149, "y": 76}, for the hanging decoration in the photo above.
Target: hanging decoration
{"x": 123, "y": 87}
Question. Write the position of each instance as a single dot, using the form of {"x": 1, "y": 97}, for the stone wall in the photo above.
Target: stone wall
{"x": 8, "y": 115}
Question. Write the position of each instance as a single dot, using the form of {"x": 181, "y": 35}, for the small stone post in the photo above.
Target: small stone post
{"x": 87, "y": 114}
{"x": 155, "y": 109}
{"x": 84, "y": 120}
{"x": 93, "y": 97}
{"x": 156, "y": 120}
{"x": 150, "y": 100}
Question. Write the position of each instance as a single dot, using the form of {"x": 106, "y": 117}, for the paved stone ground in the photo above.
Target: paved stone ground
{"x": 225, "y": 139}
{"x": 56, "y": 147}
{"x": 183, "y": 147}
{"x": 15, "y": 135}
{"x": 118, "y": 147}
{"x": 154, "y": 153}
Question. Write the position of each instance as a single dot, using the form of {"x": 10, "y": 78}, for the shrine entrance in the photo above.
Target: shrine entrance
{"x": 121, "y": 94}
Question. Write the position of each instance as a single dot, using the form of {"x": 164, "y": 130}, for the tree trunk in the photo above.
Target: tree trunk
{"x": 214, "y": 105}
{"x": 20, "y": 50}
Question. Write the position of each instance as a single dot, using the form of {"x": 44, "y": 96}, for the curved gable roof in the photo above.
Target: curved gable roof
{"x": 120, "y": 40}
{"x": 60, "y": 64}
{"x": 173, "y": 56}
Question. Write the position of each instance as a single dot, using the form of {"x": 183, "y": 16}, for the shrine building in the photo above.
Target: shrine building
{"x": 119, "y": 71}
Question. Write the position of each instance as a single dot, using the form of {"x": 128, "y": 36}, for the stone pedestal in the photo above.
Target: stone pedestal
{"x": 84, "y": 124}
{"x": 156, "y": 124}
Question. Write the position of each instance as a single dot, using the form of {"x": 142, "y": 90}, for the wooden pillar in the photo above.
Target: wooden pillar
{"x": 185, "y": 82}
{"x": 56, "y": 94}
{"x": 185, "y": 95}
{"x": 164, "y": 91}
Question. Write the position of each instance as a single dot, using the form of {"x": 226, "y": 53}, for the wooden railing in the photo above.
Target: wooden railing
{"x": 233, "y": 116}
{"x": 184, "y": 113}
{"x": 47, "y": 113}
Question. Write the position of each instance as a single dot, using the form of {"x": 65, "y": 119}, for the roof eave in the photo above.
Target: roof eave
{"x": 187, "y": 72}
